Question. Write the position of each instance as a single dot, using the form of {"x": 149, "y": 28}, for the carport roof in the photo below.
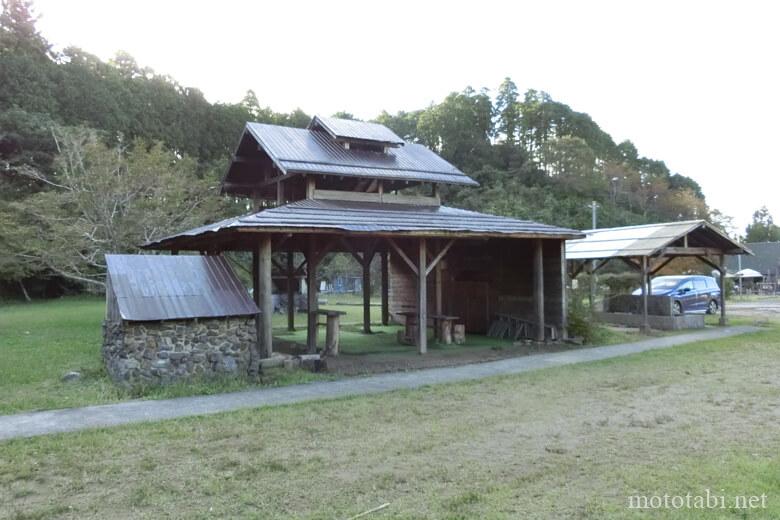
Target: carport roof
{"x": 690, "y": 237}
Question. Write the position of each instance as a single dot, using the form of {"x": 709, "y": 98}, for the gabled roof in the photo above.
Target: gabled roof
{"x": 303, "y": 151}
{"x": 351, "y": 217}
{"x": 351, "y": 130}
{"x": 649, "y": 240}
{"x": 162, "y": 287}
{"x": 766, "y": 259}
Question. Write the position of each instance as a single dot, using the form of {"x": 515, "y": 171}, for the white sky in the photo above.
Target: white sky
{"x": 692, "y": 83}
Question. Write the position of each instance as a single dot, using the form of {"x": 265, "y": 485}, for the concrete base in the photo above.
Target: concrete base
{"x": 686, "y": 321}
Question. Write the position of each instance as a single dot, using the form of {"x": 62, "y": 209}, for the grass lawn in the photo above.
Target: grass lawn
{"x": 41, "y": 341}
{"x": 567, "y": 442}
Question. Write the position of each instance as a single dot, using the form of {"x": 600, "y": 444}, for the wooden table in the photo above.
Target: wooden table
{"x": 442, "y": 327}
{"x": 332, "y": 319}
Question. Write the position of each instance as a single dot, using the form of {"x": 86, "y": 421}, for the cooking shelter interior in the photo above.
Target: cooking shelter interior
{"x": 357, "y": 188}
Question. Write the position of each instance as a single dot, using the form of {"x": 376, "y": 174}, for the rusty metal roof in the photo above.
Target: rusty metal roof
{"x": 649, "y": 239}
{"x": 299, "y": 150}
{"x": 352, "y": 217}
{"x": 349, "y": 130}
{"x": 163, "y": 287}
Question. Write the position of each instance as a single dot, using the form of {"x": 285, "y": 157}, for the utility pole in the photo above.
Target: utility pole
{"x": 594, "y": 206}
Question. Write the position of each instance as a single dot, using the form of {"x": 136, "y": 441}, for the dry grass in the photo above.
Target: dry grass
{"x": 565, "y": 442}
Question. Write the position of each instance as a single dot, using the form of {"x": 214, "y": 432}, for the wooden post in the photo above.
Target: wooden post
{"x": 564, "y": 296}
{"x": 385, "y": 288}
{"x": 645, "y": 323}
{"x": 437, "y": 281}
{"x": 279, "y": 193}
{"x": 722, "y": 264}
{"x": 332, "y": 334}
{"x": 367, "y": 256}
{"x": 256, "y": 277}
{"x": 311, "y": 297}
{"x": 311, "y": 185}
{"x": 265, "y": 343}
{"x": 422, "y": 299}
{"x": 539, "y": 288}
{"x": 291, "y": 279}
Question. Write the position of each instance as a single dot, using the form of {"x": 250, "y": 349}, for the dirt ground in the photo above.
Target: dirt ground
{"x": 761, "y": 307}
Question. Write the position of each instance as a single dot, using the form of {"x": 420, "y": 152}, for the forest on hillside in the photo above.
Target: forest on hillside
{"x": 100, "y": 157}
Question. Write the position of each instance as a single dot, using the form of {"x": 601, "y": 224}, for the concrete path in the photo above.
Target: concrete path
{"x": 72, "y": 419}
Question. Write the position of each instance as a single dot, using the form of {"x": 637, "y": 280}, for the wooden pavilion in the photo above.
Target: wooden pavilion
{"x": 336, "y": 186}
{"x": 649, "y": 248}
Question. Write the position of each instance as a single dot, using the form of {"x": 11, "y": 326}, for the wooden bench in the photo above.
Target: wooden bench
{"x": 332, "y": 319}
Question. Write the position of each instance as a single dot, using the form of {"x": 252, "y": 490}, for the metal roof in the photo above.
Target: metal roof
{"x": 299, "y": 150}
{"x": 163, "y": 287}
{"x": 766, "y": 259}
{"x": 648, "y": 240}
{"x": 349, "y": 129}
{"x": 377, "y": 218}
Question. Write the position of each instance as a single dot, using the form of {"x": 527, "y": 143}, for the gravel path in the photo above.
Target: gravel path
{"x": 73, "y": 419}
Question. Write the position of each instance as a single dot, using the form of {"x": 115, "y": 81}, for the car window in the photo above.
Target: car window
{"x": 687, "y": 285}
{"x": 711, "y": 283}
{"x": 700, "y": 284}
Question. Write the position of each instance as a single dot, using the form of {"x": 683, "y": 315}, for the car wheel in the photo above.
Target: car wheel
{"x": 677, "y": 309}
{"x": 712, "y": 308}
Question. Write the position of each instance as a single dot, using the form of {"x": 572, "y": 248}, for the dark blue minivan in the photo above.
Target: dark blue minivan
{"x": 689, "y": 293}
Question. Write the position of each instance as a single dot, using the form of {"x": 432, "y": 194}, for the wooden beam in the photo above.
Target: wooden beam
{"x": 438, "y": 257}
{"x": 692, "y": 251}
{"x": 709, "y": 262}
{"x": 632, "y": 264}
{"x": 664, "y": 263}
{"x": 422, "y": 299}
{"x": 403, "y": 256}
{"x": 290, "y": 290}
{"x": 278, "y": 266}
{"x": 438, "y": 286}
{"x": 385, "y": 289}
{"x": 539, "y": 289}
{"x": 266, "y": 296}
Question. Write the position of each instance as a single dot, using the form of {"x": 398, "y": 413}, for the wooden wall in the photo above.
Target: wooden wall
{"x": 482, "y": 278}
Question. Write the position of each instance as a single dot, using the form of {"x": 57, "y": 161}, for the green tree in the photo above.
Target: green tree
{"x": 762, "y": 228}
{"x": 507, "y": 111}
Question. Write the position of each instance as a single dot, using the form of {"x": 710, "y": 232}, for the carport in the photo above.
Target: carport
{"x": 649, "y": 248}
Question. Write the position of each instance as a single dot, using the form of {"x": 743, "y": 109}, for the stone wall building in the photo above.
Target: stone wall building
{"x": 170, "y": 318}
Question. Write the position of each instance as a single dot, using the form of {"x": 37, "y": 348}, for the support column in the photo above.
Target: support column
{"x": 645, "y": 324}
{"x": 539, "y": 289}
{"x": 564, "y": 296}
{"x": 311, "y": 298}
{"x": 722, "y": 264}
{"x": 437, "y": 280}
{"x": 422, "y": 299}
{"x": 366, "y": 264}
{"x": 385, "y": 288}
{"x": 291, "y": 279}
{"x": 265, "y": 339}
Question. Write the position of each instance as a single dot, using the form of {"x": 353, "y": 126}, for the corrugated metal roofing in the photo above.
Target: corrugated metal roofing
{"x": 635, "y": 241}
{"x": 297, "y": 150}
{"x": 370, "y": 217}
{"x": 157, "y": 287}
{"x": 349, "y": 129}
{"x": 766, "y": 259}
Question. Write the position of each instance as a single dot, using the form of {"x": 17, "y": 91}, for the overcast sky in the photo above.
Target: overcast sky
{"x": 695, "y": 84}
